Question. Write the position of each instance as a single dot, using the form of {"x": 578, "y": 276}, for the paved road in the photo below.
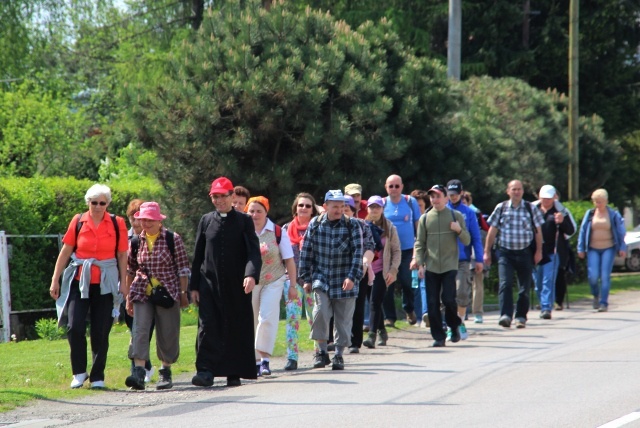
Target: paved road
{"x": 581, "y": 369}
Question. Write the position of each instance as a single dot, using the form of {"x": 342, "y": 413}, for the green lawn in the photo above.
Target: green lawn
{"x": 40, "y": 369}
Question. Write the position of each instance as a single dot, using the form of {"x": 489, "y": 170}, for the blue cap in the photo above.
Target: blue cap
{"x": 349, "y": 201}
{"x": 375, "y": 200}
{"x": 334, "y": 195}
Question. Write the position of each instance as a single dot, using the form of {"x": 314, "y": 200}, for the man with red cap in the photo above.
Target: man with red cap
{"x": 226, "y": 267}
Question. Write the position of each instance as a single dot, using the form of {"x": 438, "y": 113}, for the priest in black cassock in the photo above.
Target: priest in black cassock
{"x": 226, "y": 267}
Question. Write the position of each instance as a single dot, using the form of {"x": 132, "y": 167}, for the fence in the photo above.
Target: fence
{"x": 10, "y": 318}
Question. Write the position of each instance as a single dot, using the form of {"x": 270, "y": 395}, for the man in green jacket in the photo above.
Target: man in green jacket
{"x": 436, "y": 253}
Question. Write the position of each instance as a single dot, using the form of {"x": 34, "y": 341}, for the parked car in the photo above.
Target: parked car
{"x": 632, "y": 261}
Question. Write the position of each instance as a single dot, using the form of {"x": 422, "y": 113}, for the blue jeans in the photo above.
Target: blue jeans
{"x": 519, "y": 262}
{"x": 599, "y": 266}
{"x": 404, "y": 279}
{"x": 545, "y": 279}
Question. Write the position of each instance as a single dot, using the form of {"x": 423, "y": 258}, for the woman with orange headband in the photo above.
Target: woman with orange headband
{"x": 276, "y": 252}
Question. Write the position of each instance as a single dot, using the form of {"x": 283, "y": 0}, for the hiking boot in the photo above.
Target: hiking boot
{"x": 136, "y": 380}
{"x": 202, "y": 379}
{"x": 411, "y": 318}
{"x": 521, "y": 323}
{"x": 439, "y": 344}
{"x": 545, "y": 315}
{"x": 291, "y": 365}
{"x": 505, "y": 321}
{"x": 455, "y": 334}
{"x": 425, "y": 320}
{"x": 477, "y": 319}
{"x": 383, "y": 336}
{"x": 337, "y": 363}
{"x": 264, "y": 369}
{"x": 370, "y": 342}
{"x": 164, "y": 378}
{"x": 596, "y": 302}
{"x": 463, "y": 332}
{"x": 320, "y": 360}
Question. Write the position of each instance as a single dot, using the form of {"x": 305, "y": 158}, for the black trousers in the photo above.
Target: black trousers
{"x": 442, "y": 285}
{"x": 376, "y": 314}
{"x": 358, "y": 313}
{"x": 99, "y": 310}
{"x": 561, "y": 285}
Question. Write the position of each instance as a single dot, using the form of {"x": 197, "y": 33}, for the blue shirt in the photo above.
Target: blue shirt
{"x": 332, "y": 252}
{"x": 403, "y": 215}
{"x": 471, "y": 221}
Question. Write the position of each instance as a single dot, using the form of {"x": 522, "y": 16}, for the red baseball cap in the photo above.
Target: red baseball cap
{"x": 221, "y": 185}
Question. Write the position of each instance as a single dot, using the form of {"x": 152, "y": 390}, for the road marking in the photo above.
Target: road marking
{"x": 622, "y": 421}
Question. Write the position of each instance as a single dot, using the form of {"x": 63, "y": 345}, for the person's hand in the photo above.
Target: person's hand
{"x": 455, "y": 226}
{"x": 347, "y": 284}
{"x": 413, "y": 265}
{"x": 622, "y": 254}
{"x": 479, "y": 267}
{"x": 537, "y": 256}
{"x": 293, "y": 293}
{"x": 195, "y": 297}
{"x": 558, "y": 217}
{"x": 581, "y": 254}
{"x": 390, "y": 278}
{"x": 487, "y": 259}
{"x": 129, "y": 307}
{"x": 54, "y": 290}
{"x": 249, "y": 283}
{"x": 307, "y": 287}
{"x": 184, "y": 302}
{"x": 421, "y": 272}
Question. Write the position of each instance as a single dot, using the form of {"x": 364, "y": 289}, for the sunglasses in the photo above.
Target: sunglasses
{"x": 101, "y": 203}
{"x": 393, "y": 186}
{"x": 304, "y": 206}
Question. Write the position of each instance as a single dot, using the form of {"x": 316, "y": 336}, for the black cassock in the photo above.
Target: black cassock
{"x": 226, "y": 251}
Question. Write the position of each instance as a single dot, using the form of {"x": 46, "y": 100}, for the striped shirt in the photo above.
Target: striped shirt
{"x": 515, "y": 231}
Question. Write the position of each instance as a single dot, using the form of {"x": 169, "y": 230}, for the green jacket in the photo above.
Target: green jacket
{"x": 436, "y": 245}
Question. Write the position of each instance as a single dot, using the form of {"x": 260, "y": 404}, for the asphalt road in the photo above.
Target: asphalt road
{"x": 580, "y": 369}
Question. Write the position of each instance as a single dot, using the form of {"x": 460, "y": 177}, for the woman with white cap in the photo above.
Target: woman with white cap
{"x": 155, "y": 268}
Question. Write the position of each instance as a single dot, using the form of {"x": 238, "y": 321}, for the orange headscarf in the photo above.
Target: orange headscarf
{"x": 259, "y": 199}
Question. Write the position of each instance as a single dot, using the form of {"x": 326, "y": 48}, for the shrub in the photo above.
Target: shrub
{"x": 47, "y": 328}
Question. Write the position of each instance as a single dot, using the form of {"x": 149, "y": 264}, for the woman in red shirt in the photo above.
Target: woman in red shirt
{"x": 92, "y": 284}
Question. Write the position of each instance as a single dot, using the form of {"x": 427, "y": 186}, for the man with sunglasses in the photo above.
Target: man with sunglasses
{"x": 404, "y": 212}
{"x": 226, "y": 267}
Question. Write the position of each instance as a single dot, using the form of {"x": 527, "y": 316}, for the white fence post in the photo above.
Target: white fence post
{"x": 5, "y": 289}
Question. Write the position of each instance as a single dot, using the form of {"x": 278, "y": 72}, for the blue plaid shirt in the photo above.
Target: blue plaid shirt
{"x": 515, "y": 231}
{"x": 332, "y": 252}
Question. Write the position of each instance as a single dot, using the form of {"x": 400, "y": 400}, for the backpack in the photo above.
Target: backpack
{"x": 115, "y": 225}
{"x": 278, "y": 232}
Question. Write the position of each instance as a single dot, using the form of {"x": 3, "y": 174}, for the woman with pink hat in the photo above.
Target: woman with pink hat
{"x": 158, "y": 274}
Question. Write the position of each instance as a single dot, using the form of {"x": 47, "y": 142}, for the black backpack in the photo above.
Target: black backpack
{"x": 171, "y": 243}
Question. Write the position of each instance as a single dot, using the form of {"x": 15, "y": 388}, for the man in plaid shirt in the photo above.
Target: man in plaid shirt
{"x": 331, "y": 265}
{"x": 516, "y": 223}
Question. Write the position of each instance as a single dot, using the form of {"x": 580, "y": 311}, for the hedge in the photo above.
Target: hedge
{"x": 45, "y": 206}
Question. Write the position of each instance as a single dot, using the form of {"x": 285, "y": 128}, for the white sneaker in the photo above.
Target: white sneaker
{"x": 78, "y": 380}
{"x": 148, "y": 374}
{"x": 463, "y": 332}
{"x": 99, "y": 384}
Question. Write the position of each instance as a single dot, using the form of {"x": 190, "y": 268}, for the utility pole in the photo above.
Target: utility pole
{"x": 455, "y": 37}
{"x": 574, "y": 166}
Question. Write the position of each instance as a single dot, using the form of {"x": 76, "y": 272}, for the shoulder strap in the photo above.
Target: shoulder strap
{"x": 528, "y": 206}
{"x": 78, "y": 227}
{"x": 115, "y": 226}
{"x": 171, "y": 243}
{"x": 453, "y": 215}
{"x": 135, "y": 245}
{"x": 408, "y": 198}
{"x": 278, "y": 234}
{"x": 384, "y": 201}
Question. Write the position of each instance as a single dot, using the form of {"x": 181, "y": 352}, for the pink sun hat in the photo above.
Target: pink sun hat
{"x": 150, "y": 211}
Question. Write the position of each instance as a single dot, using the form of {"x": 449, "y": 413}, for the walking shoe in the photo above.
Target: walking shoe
{"x": 383, "y": 336}
{"x": 365, "y": 328}
{"x": 596, "y": 302}
{"x": 505, "y": 321}
{"x": 463, "y": 332}
{"x": 558, "y": 306}
{"x": 545, "y": 315}
{"x": 411, "y": 318}
{"x": 164, "y": 378}
{"x": 448, "y": 339}
{"x": 202, "y": 379}
{"x": 370, "y": 342}
{"x": 354, "y": 350}
{"x": 320, "y": 360}
{"x": 337, "y": 363}
{"x": 264, "y": 369}
{"x": 291, "y": 365}
{"x": 258, "y": 370}
{"x": 78, "y": 380}
{"x": 478, "y": 319}
{"x": 455, "y": 334}
{"x": 602, "y": 308}
{"x": 521, "y": 323}
{"x": 439, "y": 344}
{"x": 148, "y": 374}
{"x": 425, "y": 320}
{"x": 136, "y": 380}
{"x": 233, "y": 381}
{"x": 389, "y": 323}
{"x": 98, "y": 384}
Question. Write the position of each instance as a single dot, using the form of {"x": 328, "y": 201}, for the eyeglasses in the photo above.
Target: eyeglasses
{"x": 304, "y": 206}
{"x": 101, "y": 203}
{"x": 393, "y": 186}
{"x": 216, "y": 197}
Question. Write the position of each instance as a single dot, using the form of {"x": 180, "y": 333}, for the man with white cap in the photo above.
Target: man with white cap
{"x": 556, "y": 224}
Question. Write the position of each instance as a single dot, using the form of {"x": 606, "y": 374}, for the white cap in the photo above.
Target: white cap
{"x": 547, "y": 191}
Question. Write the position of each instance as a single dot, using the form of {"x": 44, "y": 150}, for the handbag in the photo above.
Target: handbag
{"x": 159, "y": 295}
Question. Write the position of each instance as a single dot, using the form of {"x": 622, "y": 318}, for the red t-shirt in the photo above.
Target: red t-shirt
{"x": 96, "y": 242}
